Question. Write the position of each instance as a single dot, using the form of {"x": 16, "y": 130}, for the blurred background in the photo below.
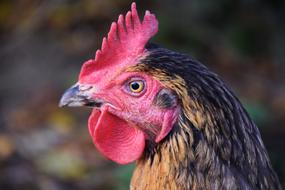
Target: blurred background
{"x": 44, "y": 43}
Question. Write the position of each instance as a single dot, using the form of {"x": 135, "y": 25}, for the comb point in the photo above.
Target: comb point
{"x": 121, "y": 27}
{"x": 124, "y": 43}
{"x": 120, "y": 18}
{"x": 97, "y": 55}
{"x": 112, "y": 35}
{"x": 135, "y": 18}
{"x": 113, "y": 28}
{"x": 134, "y": 6}
{"x": 128, "y": 21}
{"x": 104, "y": 44}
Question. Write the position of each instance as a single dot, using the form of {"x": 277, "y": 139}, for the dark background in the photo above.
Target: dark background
{"x": 44, "y": 43}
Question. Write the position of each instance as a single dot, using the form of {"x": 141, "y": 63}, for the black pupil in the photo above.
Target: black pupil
{"x": 135, "y": 85}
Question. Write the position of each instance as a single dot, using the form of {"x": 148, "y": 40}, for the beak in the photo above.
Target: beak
{"x": 76, "y": 96}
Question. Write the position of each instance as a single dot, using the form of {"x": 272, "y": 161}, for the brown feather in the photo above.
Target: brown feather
{"x": 214, "y": 144}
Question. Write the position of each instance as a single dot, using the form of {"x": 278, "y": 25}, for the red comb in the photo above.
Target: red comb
{"x": 125, "y": 42}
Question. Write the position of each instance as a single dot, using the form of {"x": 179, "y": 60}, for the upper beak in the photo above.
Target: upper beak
{"x": 74, "y": 97}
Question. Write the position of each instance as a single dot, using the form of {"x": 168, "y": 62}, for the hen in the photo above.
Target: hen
{"x": 179, "y": 121}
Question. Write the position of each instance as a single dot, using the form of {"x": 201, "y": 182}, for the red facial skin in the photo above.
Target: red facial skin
{"x": 125, "y": 120}
{"x": 118, "y": 128}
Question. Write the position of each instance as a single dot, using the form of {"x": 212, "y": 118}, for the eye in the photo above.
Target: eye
{"x": 136, "y": 86}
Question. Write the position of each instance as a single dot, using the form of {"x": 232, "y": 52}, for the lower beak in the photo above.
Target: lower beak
{"x": 74, "y": 97}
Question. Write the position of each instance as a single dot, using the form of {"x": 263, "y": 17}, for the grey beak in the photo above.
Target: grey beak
{"x": 75, "y": 97}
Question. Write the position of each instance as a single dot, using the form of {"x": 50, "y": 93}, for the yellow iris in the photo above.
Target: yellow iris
{"x": 136, "y": 86}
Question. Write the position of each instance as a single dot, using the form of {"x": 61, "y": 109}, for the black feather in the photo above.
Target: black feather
{"x": 227, "y": 149}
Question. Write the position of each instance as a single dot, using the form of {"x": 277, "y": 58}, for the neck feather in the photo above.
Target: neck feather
{"x": 187, "y": 160}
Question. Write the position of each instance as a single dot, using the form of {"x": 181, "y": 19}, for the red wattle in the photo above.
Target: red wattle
{"x": 114, "y": 138}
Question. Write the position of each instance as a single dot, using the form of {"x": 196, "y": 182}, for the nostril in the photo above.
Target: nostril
{"x": 85, "y": 87}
